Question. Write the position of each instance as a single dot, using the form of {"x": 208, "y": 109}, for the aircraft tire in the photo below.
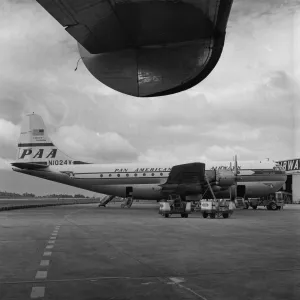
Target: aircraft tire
{"x": 273, "y": 206}
{"x": 205, "y": 215}
{"x": 225, "y": 215}
{"x": 254, "y": 206}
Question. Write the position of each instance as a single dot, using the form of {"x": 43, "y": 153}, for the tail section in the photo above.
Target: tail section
{"x": 36, "y": 148}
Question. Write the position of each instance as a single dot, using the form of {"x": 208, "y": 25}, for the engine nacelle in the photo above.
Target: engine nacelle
{"x": 225, "y": 178}
{"x": 154, "y": 48}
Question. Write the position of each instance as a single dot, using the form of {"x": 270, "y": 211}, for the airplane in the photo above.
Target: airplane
{"x": 38, "y": 156}
{"x": 146, "y": 48}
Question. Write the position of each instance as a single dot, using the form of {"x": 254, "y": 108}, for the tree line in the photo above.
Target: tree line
{"x": 6, "y": 194}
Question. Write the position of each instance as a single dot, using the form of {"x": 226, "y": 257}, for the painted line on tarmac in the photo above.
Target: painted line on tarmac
{"x": 44, "y": 263}
{"x": 39, "y": 291}
{"x": 41, "y": 275}
{"x": 178, "y": 281}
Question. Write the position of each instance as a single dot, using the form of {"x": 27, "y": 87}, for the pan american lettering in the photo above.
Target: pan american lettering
{"x": 137, "y": 170}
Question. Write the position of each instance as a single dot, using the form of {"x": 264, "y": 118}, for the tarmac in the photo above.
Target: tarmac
{"x": 86, "y": 252}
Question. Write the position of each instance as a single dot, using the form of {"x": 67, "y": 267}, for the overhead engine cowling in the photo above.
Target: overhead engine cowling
{"x": 153, "y": 48}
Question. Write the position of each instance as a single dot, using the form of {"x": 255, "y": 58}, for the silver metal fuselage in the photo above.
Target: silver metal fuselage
{"x": 145, "y": 182}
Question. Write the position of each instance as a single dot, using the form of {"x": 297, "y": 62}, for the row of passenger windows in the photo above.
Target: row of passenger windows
{"x": 135, "y": 175}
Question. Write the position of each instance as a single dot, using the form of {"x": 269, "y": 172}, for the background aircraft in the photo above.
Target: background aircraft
{"x": 38, "y": 156}
{"x": 146, "y": 48}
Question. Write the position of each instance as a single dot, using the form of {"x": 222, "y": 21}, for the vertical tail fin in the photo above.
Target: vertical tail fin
{"x": 35, "y": 146}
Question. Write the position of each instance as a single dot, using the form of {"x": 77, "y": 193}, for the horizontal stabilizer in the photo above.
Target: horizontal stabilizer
{"x": 30, "y": 165}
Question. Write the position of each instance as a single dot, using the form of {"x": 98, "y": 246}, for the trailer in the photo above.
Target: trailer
{"x": 273, "y": 202}
{"x": 216, "y": 208}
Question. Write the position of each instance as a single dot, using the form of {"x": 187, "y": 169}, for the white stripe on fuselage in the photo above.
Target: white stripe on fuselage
{"x": 142, "y": 168}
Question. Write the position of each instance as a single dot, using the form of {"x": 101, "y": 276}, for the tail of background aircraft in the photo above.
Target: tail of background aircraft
{"x": 36, "y": 148}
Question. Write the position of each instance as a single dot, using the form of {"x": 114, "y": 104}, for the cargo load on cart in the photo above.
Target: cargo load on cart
{"x": 216, "y": 208}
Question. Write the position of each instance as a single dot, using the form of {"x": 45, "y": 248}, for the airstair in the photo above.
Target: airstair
{"x": 127, "y": 203}
{"x": 106, "y": 200}
{"x": 239, "y": 203}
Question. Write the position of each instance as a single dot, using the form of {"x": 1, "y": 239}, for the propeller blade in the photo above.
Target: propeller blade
{"x": 235, "y": 166}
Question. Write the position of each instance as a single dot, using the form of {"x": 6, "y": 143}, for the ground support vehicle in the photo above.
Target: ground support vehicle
{"x": 216, "y": 208}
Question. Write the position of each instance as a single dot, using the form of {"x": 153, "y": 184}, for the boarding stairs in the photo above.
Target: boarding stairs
{"x": 239, "y": 203}
{"x": 127, "y": 203}
{"x": 106, "y": 200}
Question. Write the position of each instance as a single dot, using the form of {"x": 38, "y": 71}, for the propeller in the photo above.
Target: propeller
{"x": 235, "y": 173}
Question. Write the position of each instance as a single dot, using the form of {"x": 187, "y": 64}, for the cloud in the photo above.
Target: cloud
{"x": 8, "y": 132}
{"x": 5, "y": 164}
{"x": 248, "y": 105}
{"x": 84, "y": 143}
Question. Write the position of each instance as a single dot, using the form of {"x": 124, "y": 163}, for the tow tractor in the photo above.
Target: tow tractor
{"x": 271, "y": 202}
{"x": 175, "y": 205}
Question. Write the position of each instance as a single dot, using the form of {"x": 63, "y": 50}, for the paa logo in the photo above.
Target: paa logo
{"x": 38, "y": 154}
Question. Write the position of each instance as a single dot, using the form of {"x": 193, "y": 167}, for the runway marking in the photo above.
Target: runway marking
{"x": 47, "y": 253}
{"x": 37, "y": 292}
{"x": 49, "y": 246}
{"x": 51, "y": 242}
{"x": 44, "y": 263}
{"x": 41, "y": 275}
{"x": 53, "y": 238}
{"x": 177, "y": 281}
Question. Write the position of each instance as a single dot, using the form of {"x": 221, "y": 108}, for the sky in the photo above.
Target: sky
{"x": 249, "y": 105}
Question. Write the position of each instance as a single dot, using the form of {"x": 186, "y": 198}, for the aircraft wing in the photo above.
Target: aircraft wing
{"x": 107, "y": 25}
{"x": 90, "y": 22}
{"x": 186, "y": 178}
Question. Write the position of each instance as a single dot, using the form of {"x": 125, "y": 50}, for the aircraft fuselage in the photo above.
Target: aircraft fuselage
{"x": 144, "y": 183}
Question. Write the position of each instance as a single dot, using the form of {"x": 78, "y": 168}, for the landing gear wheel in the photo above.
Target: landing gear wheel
{"x": 166, "y": 215}
{"x": 186, "y": 215}
{"x": 254, "y": 206}
{"x": 205, "y": 215}
{"x": 225, "y": 215}
{"x": 273, "y": 206}
{"x": 182, "y": 215}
